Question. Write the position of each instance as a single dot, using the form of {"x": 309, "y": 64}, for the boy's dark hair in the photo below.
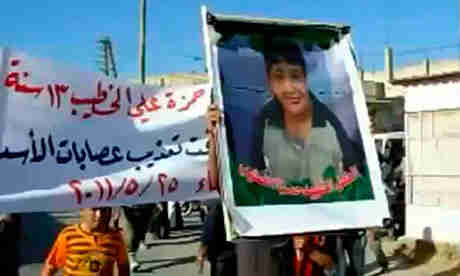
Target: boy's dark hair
{"x": 276, "y": 51}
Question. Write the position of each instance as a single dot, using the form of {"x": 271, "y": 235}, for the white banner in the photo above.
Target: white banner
{"x": 70, "y": 139}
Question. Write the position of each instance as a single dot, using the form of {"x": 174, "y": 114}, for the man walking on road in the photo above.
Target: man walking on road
{"x": 90, "y": 248}
{"x": 214, "y": 246}
{"x": 136, "y": 222}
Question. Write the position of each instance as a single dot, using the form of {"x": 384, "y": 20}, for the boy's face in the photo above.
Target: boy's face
{"x": 95, "y": 218}
{"x": 288, "y": 85}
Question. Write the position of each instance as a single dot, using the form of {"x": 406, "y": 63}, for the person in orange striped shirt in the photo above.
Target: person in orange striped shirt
{"x": 90, "y": 248}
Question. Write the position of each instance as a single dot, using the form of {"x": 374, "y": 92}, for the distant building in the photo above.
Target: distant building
{"x": 385, "y": 90}
{"x": 431, "y": 112}
{"x": 390, "y": 75}
{"x": 387, "y": 113}
{"x": 174, "y": 79}
{"x": 432, "y": 115}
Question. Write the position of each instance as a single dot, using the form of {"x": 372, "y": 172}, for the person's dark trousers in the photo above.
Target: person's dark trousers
{"x": 354, "y": 245}
{"x": 221, "y": 254}
{"x": 9, "y": 239}
{"x": 135, "y": 226}
{"x": 225, "y": 264}
{"x": 179, "y": 218}
{"x": 375, "y": 245}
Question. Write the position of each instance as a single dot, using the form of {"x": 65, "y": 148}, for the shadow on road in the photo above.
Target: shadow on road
{"x": 451, "y": 272}
{"x": 173, "y": 242}
{"x": 164, "y": 260}
{"x": 192, "y": 227}
{"x": 407, "y": 258}
{"x": 170, "y": 262}
{"x": 375, "y": 266}
{"x": 183, "y": 236}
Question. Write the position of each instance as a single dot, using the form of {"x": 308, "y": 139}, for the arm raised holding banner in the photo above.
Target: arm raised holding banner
{"x": 213, "y": 120}
{"x": 214, "y": 246}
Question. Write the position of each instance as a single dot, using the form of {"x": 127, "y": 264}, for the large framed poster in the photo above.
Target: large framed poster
{"x": 295, "y": 151}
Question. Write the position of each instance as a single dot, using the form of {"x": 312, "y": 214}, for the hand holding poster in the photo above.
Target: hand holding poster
{"x": 295, "y": 145}
{"x": 70, "y": 139}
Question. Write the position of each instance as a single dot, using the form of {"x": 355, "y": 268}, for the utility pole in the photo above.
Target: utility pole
{"x": 106, "y": 59}
{"x": 142, "y": 41}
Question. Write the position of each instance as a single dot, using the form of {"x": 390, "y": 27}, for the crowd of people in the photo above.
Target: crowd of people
{"x": 104, "y": 239}
{"x": 102, "y": 243}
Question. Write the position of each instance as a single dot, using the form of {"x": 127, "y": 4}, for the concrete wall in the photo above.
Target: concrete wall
{"x": 389, "y": 116}
{"x": 433, "y": 174}
{"x": 177, "y": 79}
{"x": 433, "y": 223}
{"x": 436, "y": 67}
{"x": 374, "y": 89}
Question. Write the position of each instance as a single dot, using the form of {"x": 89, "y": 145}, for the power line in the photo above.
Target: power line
{"x": 417, "y": 50}
{"x": 428, "y": 49}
